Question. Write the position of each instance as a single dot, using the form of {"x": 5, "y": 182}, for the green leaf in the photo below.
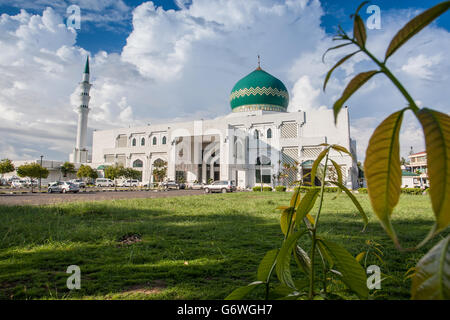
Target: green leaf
{"x": 316, "y": 164}
{"x": 266, "y": 266}
{"x": 382, "y": 169}
{"x": 359, "y": 31}
{"x": 286, "y": 216}
{"x": 431, "y": 280}
{"x": 306, "y": 205}
{"x": 340, "y": 148}
{"x": 283, "y": 268}
{"x": 351, "y": 88}
{"x": 337, "y": 65}
{"x": 360, "y": 256}
{"x": 334, "y": 48}
{"x": 436, "y": 127}
{"x": 302, "y": 259}
{"x": 325, "y": 255}
{"x": 241, "y": 292}
{"x": 353, "y": 274}
{"x": 295, "y": 199}
{"x": 414, "y": 26}
{"x": 360, "y": 7}
{"x": 354, "y": 200}
{"x": 338, "y": 170}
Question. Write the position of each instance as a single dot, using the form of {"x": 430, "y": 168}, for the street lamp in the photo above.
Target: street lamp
{"x": 40, "y": 175}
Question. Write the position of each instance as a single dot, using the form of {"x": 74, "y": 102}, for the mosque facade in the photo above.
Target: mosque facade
{"x": 259, "y": 141}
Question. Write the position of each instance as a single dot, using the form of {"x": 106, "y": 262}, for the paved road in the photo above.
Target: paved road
{"x": 45, "y": 198}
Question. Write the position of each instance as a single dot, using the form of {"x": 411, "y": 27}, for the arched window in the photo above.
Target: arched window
{"x": 269, "y": 133}
{"x": 164, "y": 140}
{"x": 154, "y": 141}
{"x": 138, "y": 164}
{"x": 143, "y": 142}
{"x": 256, "y": 134}
{"x": 263, "y": 160}
{"x": 134, "y": 142}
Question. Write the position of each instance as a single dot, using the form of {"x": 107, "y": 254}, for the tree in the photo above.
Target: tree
{"x": 160, "y": 170}
{"x": 114, "y": 172}
{"x": 130, "y": 173}
{"x": 32, "y": 171}
{"x": 86, "y": 171}
{"x": 67, "y": 168}
{"x": 6, "y": 166}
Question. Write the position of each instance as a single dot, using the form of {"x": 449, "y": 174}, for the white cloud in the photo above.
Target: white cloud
{"x": 182, "y": 65}
{"x": 421, "y": 66}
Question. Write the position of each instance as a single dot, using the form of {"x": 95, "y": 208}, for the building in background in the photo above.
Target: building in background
{"x": 418, "y": 166}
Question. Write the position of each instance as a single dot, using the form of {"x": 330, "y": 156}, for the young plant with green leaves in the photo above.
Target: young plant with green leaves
{"x": 298, "y": 222}
{"x": 382, "y": 164}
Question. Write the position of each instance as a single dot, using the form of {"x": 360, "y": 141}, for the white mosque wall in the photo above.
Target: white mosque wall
{"x": 298, "y": 134}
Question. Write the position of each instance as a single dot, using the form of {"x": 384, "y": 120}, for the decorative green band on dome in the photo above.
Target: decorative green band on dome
{"x": 259, "y": 91}
{"x": 255, "y": 107}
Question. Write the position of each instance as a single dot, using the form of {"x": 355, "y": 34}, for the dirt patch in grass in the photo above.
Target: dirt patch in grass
{"x": 156, "y": 287}
{"x": 130, "y": 238}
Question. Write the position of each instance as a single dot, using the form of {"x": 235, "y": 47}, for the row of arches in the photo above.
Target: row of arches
{"x": 154, "y": 141}
{"x": 138, "y": 163}
{"x": 268, "y": 134}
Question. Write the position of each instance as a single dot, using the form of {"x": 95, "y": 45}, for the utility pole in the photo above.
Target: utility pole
{"x": 40, "y": 175}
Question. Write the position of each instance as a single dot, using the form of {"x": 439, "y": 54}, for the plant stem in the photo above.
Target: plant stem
{"x": 314, "y": 239}
{"x": 388, "y": 73}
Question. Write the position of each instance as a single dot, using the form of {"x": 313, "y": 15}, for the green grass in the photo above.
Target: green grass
{"x": 197, "y": 247}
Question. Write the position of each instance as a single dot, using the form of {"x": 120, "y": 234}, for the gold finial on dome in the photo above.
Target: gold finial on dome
{"x": 259, "y": 63}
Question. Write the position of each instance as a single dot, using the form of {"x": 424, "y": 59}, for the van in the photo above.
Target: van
{"x": 103, "y": 182}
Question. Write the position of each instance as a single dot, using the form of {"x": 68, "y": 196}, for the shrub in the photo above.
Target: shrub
{"x": 362, "y": 190}
{"x": 305, "y": 189}
{"x": 280, "y": 188}
{"x": 414, "y": 191}
{"x": 258, "y": 188}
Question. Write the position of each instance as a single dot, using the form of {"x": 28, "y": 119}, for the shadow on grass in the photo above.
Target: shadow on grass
{"x": 200, "y": 252}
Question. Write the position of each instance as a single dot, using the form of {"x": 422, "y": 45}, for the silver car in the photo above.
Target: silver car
{"x": 220, "y": 186}
{"x": 63, "y": 187}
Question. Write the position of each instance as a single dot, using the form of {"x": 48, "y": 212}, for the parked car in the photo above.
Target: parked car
{"x": 63, "y": 187}
{"x": 220, "y": 186}
{"x": 80, "y": 183}
{"x": 103, "y": 182}
{"x": 196, "y": 186}
{"x": 170, "y": 185}
{"x": 20, "y": 183}
{"x": 129, "y": 183}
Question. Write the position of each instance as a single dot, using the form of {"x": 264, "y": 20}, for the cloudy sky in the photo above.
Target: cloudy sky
{"x": 171, "y": 60}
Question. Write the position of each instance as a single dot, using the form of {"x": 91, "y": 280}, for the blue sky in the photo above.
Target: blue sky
{"x": 166, "y": 61}
{"x": 112, "y": 38}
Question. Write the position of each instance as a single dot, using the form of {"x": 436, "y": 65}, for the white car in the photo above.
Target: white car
{"x": 20, "y": 183}
{"x": 103, "y": 182}
{"x": 129, "y": 183}
{"x": 220, "y": 186}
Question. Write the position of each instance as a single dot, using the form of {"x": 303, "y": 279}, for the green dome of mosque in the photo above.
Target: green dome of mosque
{"x": 259, "y": 91}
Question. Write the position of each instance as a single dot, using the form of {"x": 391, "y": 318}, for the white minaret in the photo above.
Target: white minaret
{"x": 80, "y": 153}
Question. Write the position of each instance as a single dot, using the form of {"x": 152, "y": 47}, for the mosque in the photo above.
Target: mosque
{"x": 259, "y": 141}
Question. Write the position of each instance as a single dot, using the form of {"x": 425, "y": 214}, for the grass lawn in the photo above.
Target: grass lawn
{"x": 196, "y": 247}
